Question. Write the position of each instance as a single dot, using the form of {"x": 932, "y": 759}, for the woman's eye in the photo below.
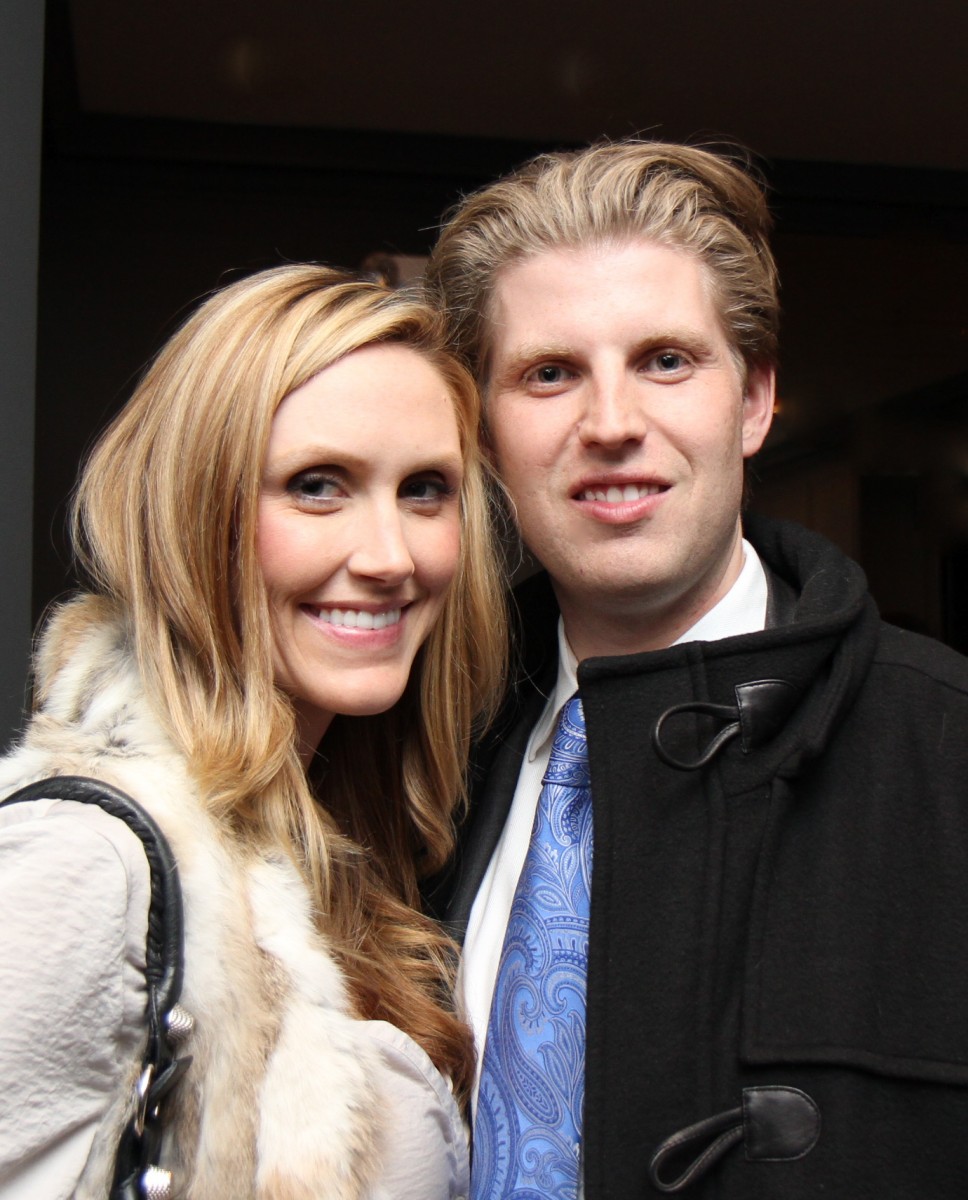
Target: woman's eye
{"x": 314, "y": 485}
{"x": 427, "y": 491}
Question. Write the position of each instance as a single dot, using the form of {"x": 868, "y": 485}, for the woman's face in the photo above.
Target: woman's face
{"x": 359, "y": 530}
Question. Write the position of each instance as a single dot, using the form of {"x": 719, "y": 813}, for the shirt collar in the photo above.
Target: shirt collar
{"x": 565, "y": 688}
{"x": 741, "y": 610}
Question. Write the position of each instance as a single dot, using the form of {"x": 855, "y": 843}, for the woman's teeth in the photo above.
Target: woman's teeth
{"x": 354, "y": 618}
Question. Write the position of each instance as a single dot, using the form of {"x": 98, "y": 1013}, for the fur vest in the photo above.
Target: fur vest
{"x": 281, "y": 1100}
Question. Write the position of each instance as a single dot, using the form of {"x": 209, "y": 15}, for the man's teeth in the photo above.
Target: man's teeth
{"x": 354, "y": 618}
{"x": 615, "y": 495}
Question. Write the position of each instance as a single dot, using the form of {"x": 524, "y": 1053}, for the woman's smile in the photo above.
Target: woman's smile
{"x": 356, "y": 618}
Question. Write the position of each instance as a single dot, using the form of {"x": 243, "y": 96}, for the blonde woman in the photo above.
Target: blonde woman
{"x": 294, "y": 618}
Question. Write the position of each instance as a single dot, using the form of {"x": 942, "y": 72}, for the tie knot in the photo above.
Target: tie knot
{"x": 568, "y": 764}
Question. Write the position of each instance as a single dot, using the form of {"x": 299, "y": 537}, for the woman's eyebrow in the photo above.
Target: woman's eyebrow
{"x": 327, "y": 457}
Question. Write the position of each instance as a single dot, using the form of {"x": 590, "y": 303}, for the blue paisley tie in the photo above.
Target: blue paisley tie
{"x": 527, "y": 1132}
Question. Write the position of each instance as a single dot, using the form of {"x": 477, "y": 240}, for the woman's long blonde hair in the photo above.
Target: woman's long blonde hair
{"x": 165, "y": 524}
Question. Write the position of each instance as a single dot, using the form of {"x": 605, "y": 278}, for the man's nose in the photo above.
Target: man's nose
{"x": 382, "y": 552}
{"x": 614, "y": 413}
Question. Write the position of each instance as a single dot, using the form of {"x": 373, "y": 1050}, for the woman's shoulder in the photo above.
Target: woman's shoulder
{"x": 64, "y": 852}
{"x": 76, "y": 884}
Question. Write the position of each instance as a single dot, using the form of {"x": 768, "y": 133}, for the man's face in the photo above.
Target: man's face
{"x": 619, "y": 421}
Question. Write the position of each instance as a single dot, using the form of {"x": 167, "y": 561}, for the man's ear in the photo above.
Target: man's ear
{"x": 758, "y": 402}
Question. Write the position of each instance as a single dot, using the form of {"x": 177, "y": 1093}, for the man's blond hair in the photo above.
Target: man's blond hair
{"x": 682, "y": 197}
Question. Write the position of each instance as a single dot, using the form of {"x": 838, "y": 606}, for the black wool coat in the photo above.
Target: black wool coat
{"x": 778, "y": 970}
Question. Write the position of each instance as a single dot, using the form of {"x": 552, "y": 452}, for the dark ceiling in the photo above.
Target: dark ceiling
{"x": 856, "y": 81}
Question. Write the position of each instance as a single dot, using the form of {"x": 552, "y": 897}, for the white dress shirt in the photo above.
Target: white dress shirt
{"x": 741, "y": 610}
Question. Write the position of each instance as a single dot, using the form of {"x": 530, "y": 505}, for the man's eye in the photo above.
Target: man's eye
{"x": 669, "y": 361}
{"x": 548, "y": 375}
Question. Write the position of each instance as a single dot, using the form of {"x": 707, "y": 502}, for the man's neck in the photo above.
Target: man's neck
{"x": 737, "y": 606}
{"x": 602, "y": 635}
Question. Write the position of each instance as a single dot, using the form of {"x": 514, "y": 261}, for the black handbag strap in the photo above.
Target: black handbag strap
{"x": 136, "y": 1175}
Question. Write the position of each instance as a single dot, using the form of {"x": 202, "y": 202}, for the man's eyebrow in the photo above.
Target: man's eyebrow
{"x": 692, "y": 340}
{"x": 532, "y": 352}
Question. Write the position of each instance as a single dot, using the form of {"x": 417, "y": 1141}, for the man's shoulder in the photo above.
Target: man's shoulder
{"x": 926, "y": 659}
{"x": 797, "y": 558}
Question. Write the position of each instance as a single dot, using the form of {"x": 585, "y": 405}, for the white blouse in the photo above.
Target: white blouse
{"x": 426, "y": 1142}
{"x": 73, "y": 918}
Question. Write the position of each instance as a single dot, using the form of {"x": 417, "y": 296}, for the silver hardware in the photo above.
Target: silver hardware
{"x": 156, "y": 1183}
{"x": 180, "y": 1023}
{"x": 142, "y": 1087}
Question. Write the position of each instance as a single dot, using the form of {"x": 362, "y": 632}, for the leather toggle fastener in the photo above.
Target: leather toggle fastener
{"x": 775, "y": 1124}
{"x": 762, "y": 706}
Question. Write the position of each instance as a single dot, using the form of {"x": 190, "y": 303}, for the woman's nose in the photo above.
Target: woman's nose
{"x": 382, "y": 551}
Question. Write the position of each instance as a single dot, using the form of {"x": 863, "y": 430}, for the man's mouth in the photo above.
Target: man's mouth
{"x": 618, "y": 495}
{"x": 356, "y": 618}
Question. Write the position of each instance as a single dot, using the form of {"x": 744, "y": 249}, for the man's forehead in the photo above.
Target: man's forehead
{"x": 582, "y": 282}
{"x": 572, "y": 261}
{"x": 528, "y": 288}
